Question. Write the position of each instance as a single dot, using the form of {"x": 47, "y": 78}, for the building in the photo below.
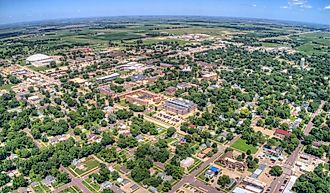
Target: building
{"x": 211, "y": 172}
{"x": 290, "y": 184}
{"x": 141, "y": 97}
{"x": 186, "y": 163}
{"x": 48, "y": 180}
{"x": 39, "y": 60}
{"x": 170, "y": 91}
{"x": 204, "y": 152}
{"x": 180, "y": 106}
{"x": 230, "y": 163}
{"x": 107, "y": 78}
{"x": 106, "y": 91}
{"x": 258, "y": 171}
{"x": 209, "y": 76}
{"x": 183, "y": 85}
{"x": 280, "y": 133}
{"x": 241, "y": 190}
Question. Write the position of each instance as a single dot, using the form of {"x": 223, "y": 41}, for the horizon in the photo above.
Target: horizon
{"x": 313, "y": 12}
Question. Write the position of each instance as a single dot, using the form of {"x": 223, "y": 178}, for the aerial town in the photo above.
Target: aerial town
{"x": 179, "y": 105}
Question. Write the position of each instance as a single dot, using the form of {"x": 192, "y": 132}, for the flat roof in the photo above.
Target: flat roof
{"x": 290, "y": 184}
{"x": 241, "y": 190}
{"x": 109, "y": 76}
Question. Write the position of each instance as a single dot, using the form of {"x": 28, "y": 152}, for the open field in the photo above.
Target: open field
{"x": 88, "y": 166}
{"x": 71, "y": 189}
{"x": 241, "y": 145}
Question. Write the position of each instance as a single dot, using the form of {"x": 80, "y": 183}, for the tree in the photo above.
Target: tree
{"x": 19, "y": 181}
{"x": 175, "y": 171}
{"x": 4, "y": 179}
{"x": 170, "y": 132}
{"x": 276, "y": 171}
{"x": 167, "y": 186}
{"x": 223, "y": 180}
{"x": 139, "y": 174}
{"x": 107, "y": 190}
{"x": 63, "y": 178}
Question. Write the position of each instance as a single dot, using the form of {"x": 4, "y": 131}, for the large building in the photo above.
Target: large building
{"x": 39, "y": 60}
{"x": 180, "y": 106}
{"x": 108, "y": 78}
{"x": 141, "y": 97}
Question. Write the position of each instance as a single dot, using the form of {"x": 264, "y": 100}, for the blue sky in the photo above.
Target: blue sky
{"x": 315, "y": 11}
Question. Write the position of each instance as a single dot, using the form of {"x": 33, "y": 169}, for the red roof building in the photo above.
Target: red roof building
{"x": 282, "y": 133}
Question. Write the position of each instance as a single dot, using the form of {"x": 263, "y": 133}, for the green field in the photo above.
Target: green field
{"x": 241, "y": 145}
{"x": 89, "y": 165}
{"x": 93, "y": 187}
{"x": 41, "y": 188}
{"x": 71, "y": 189}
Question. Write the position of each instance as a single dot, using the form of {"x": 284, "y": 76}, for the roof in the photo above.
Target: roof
{"x": 241, "y": 190}
{"x": 37, "y": 57}
{"x": 282, "y": 132}
{"x": 214, "y": 169}
{"x": 290, "y": 184}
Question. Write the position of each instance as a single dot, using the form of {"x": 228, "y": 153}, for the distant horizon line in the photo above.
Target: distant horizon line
{"x": 132, "y": 16}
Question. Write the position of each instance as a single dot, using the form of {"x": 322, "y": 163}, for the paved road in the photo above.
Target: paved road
{"x": 287, "y": 167}
{"x": 74, "y": 182}
{"x": 192, "y": 177}
{"x": 310, "y": 123}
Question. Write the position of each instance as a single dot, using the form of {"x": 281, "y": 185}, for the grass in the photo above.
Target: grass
{"x": 91, "y": 186}
{"x": 195, "y": 165}
{"x": 41, "y": 188}
{"x": 90, "y": 164}
{"x": 242, "y": 146}
{"x": 71, "y": 189}
{"x": 6, "y": 87}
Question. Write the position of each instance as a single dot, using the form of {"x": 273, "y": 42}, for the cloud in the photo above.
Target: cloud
{"x": 285, "y": 7}
{"x": 327, "y": 7}
{"x": 299, "y": 3}
{"x": 254, "y": 5}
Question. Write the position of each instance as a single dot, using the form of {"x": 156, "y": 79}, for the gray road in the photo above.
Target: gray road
{"x": 191, "y": 178}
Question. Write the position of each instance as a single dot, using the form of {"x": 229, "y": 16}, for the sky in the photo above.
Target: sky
{"x": 312, "y": 11}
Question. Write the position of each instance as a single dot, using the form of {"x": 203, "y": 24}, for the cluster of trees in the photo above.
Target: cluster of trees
{"x": 276, "y": 171}
{"x": 145, "y": 155}
{"x": 313, "y": 182}
{"x": 136, "y": 108}
{"x": 104, "y": 174}
{"x": 123, "y": 114}
{"x": 139, "y": 126}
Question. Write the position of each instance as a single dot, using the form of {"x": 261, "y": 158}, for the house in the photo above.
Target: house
{"x": 105, "y": 185}
{"x": 186, "y": 163}
{"x": 211, "y": 172}
{"x": 281, "y": 134}
{"x": 164, "y": 177}
{"x": 170, "y": 91}
{"x": 183, "y": 85}
{"x": 48, "y": 180}
{"x": 204, "y": 153}
{"x": 153, "y": 189}
{"x": 76, "y": 162}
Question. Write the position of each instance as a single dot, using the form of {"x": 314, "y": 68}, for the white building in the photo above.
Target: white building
{"x": 39, "y": 60}
{"x": 186, "y": 163}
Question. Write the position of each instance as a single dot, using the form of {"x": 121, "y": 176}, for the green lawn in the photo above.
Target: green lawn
{"x": 241, "y": 145}
{"x": 71, "y": 189}
{"x": 89, "y": 165}
{"x": 6, "y": 87}
{"x": 41, "y": 188}
{"x": 93, "y": 187}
